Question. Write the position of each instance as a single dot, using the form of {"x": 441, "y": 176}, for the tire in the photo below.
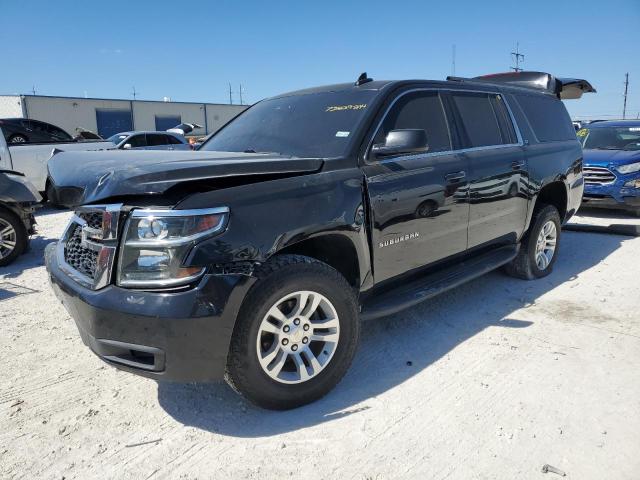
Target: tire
{"x": 18, "y": 138}
{"x": 282, "y": 282}
{"x": 528, "y": 265}
{"x": 13, "y": 237}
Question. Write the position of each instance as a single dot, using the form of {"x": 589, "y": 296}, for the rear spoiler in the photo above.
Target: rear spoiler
{"x": 563, "y": 88}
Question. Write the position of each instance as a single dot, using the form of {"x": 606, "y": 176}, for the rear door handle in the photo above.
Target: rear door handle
{"x": 517, "y": 165}
{"x": 455, "y": 176}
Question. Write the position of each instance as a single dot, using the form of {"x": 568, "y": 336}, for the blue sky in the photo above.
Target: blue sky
{"x": 191, "y": 53}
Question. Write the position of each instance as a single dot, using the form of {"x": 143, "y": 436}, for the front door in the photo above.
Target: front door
{"x": 418, "y": 201}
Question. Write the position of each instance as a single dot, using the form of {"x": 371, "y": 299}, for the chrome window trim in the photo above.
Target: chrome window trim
{"x": 516, "y": 128}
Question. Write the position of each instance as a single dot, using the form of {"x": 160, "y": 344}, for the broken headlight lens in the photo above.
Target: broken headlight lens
{"x": 156, "y": 243}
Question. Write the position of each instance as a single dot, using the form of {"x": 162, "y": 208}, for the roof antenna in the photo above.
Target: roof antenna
{"x": 363, "y": 79}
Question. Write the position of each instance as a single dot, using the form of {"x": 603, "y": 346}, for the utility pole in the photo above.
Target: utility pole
{"x": 453, "y": 60}
{"x": 518, "y": 57}
{"x": 33, "y": 89}
{"x": 134, "y": 93}
{"x": 626, "y": 89}
{"x": 241, "y": 94}
{"x": 230, "y": 95}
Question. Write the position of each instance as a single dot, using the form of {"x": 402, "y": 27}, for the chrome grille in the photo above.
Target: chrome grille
{"x": 93, "y": 219}
{"x": 78, "y": 257}
{"x": 598, "y": 175}
{"x": 86, "y": 251}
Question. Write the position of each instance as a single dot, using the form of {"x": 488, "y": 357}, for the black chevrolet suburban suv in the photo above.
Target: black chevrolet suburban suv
{"x": 255, "y": 258}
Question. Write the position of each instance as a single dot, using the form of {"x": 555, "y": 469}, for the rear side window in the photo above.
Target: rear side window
{"x": 154, "y": 139}
{"x": 485, "y": 120}
{"x": 421, "y": 110}
{"x": 173, "y": 140}
{"x": 548, "y": 118}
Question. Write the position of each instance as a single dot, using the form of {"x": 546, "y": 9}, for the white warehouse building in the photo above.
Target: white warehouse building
{"x": 108, "y": 117}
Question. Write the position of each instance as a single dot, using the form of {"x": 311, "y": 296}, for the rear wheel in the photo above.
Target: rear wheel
{"x": 13, "y": 237}
{"x": 296, "y": 334}
{"x": 539, "y": 246}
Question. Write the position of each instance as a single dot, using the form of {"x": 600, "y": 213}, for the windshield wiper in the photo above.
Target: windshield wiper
{"x": 608, "y": 147}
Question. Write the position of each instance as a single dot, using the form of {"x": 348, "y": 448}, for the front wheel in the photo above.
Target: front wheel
{"x": 539, "y": 246}
{"x": 296, "y": 334}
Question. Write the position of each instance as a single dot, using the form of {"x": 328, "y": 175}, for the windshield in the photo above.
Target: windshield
{"x": 117, "y": 138}
{"x": 610, "y": 138}
{"x": 311, "y": 125}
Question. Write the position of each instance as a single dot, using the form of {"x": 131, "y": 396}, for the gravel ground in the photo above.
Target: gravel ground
{"x": 492, "y": 380}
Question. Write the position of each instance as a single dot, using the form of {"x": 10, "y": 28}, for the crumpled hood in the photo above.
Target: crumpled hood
{"x": 88, "y": 177}
{"x": 604, "y": 158}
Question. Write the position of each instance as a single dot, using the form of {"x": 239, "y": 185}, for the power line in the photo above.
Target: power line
{"x": 518, "y": 57}
{"x": 626, "y": 89}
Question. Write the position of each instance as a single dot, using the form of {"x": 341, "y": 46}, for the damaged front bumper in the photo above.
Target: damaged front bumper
{"x": 177, "y": 336}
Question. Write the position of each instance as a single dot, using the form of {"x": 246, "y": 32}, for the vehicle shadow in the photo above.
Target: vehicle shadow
{"x": 391, "y": 350}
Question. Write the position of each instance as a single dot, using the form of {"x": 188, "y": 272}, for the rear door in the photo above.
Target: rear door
{"x": 157, "y": 141}
{"x": 419, "y": 212}
{"x": 497, "y": 171}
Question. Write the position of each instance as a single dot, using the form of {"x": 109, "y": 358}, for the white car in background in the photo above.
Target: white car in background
{"x": 26, "y": 146}
{"x": 149, "y": 141}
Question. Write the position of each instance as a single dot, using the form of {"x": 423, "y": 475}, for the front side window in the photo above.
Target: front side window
{"x": 137, "y": 141}
{"x": 610, "y": 138}
{"x": 481, "y": 116}
{"x": 418, "y": 110}
{"x": 306, "y": 125}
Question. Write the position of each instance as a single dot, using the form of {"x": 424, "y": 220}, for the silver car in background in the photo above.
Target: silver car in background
{"x": 150, "y": 141}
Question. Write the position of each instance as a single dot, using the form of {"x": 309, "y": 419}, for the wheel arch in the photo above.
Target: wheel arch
{"x": 553, "y": 193}
{"x": 337, "y": 251}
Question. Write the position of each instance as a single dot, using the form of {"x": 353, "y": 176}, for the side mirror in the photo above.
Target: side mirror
{"x": 127, "y": 146}
{"x": 402, "y": 142}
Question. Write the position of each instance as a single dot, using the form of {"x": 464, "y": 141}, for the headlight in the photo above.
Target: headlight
{"x": 631, "y": 168}
{"x": 156, "y": 243}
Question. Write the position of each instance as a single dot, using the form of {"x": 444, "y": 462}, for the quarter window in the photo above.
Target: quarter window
{"x": 548, "y": 118}
{"x": 421, "y": 110}
{"x": 484, "y": 119}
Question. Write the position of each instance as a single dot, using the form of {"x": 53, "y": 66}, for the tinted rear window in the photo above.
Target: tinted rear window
{"x": 548, "y": 118}
{"x": 479, "y": 120}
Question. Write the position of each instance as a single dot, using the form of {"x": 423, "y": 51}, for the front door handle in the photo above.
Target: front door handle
{"x": 517, "y": 165}
{"x": 455, "y": 176}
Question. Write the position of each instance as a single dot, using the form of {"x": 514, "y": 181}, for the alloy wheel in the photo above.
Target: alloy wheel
{"x": 7, "y": 238}
{"x": 298, "y": 337}
{"x": 546, "y": 244}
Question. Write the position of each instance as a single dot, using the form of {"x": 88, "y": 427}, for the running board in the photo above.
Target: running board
{"x": 410, "y": 294}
